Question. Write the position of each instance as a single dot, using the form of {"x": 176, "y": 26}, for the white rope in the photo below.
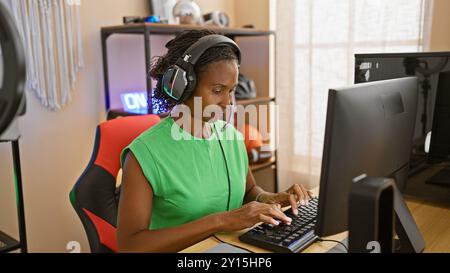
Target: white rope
{"x": 51, "y": 33}
{"x": 45, "y": 53}
{"x": 54, "y": 100}
{"x": 31, "y": 75}
{"x": 80, "y": 58}
{"x": 62, "y": 60}
{"x": 70, "y": 40}
{"x": 49, "y": 53}
{"x": 38, "y": 52}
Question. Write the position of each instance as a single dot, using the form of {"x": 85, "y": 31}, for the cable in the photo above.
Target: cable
{"x": 226, "y": 167}
{"x": 223, "y": 242}
{"x": 334, "y": 241}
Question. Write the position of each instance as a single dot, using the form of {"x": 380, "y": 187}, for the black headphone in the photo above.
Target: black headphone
{"x": 12, "y": 97}
{"x": 180, "y": 80}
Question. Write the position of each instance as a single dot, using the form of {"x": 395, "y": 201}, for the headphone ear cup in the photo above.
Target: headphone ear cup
{"x": 174, "y": 83}
{"x": 165, "y": 83}
{"x": 191, "y": 78}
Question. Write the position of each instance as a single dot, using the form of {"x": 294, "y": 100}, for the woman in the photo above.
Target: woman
{"x": 177, "y": 191}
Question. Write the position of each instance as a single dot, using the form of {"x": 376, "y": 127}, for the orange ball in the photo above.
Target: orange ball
{"x": 252, "y": 137}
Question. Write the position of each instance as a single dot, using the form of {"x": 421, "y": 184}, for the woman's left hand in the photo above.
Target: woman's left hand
{"x": 294, "y": 195}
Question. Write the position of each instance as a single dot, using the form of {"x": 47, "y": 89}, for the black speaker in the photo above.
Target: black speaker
{"x": 371, "y": 216}
{"x": 377, "y": 210}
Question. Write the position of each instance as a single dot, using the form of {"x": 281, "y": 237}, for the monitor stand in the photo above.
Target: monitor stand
{"x": 409, "y": 238}
{"x": 407, "y": 235}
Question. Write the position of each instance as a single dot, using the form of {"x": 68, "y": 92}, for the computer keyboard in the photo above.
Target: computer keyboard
{"x": 286, "y": 238}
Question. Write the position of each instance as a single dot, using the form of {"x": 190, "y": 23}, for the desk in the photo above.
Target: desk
{"x": 433, "y": 222}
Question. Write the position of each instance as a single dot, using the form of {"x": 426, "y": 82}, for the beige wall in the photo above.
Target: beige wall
{"x": 254, "y": 12}
{"x": 440, "y": 29}
{"x": 241, "y": 12}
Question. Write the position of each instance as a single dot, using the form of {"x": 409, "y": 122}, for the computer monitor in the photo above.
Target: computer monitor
{"x": 427, "y": 66}
{"x": 369, "y": 130}
{"x": 440, "y": 134}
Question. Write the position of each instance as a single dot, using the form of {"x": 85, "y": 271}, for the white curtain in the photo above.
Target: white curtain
{"x": 51, "y": 34}
{"x": 316, "y": 43}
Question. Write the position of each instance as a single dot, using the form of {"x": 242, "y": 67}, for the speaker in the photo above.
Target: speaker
{"x": 371, "y": 216}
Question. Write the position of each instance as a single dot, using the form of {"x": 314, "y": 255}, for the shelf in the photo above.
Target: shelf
{"x": 261, "y": 166}
{"x": 115, "y": 113}
{"x": 7, "y": 243}
{"x": 120, "y": 112}
{"x": 259, "y": 100}
{"x": 154, "y": 28}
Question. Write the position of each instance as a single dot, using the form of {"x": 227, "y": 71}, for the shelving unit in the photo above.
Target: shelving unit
{"x": 260, "y": 166}
{"x": 257, "y": 63}
{"x": 258, "y": 100}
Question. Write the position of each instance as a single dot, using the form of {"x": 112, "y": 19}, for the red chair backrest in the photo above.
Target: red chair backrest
{"x": 95, "y": 196}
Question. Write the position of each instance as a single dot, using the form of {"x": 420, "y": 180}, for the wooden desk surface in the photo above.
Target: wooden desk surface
{"x": 433, "y": 222}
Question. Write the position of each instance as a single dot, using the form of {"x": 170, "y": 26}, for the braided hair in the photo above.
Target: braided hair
{"x": 176, "y": 48}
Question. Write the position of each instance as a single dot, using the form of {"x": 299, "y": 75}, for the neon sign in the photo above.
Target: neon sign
{"x": 135, "y": 102}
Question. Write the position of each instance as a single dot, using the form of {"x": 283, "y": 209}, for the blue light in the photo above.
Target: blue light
{"x": 159, "y": 106}
{"x": 136, "y": 102}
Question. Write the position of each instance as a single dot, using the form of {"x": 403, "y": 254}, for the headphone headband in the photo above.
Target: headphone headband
{"x": 196, "y": 50}
{"x": 180, "y": 80}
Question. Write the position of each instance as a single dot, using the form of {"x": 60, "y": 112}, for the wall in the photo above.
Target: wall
{"x": 56, "y": 146}
{"x": 259, "y": 17}
{"x": 440, "y": 29}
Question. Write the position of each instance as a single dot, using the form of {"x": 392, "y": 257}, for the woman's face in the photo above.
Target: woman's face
{"x": 215, "y": 86}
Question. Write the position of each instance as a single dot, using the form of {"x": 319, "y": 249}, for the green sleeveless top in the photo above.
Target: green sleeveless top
{"x": 187, "y": 174}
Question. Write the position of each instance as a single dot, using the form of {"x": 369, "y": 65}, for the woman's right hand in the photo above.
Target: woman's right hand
{"x": 252, "y": 213}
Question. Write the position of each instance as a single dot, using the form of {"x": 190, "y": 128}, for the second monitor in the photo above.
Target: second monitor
{"x": 369, "y": 130}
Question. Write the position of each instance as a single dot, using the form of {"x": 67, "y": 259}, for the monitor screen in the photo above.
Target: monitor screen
{"x": 426, "y": 66}
{"x": 369, "y": 131}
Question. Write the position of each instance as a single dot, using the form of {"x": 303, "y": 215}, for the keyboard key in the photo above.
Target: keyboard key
{"x": 274, "y": 237}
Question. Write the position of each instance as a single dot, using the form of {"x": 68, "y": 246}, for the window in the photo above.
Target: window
{"x": 327, "y": 35}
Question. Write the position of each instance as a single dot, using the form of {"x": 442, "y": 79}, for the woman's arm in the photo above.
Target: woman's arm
{"x": 135, "y": 210}
{"x": 251, "y": 189}
{"x": 294, "y": 194}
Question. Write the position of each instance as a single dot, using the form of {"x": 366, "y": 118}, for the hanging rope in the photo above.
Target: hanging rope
{"x": 51, "y": 32}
